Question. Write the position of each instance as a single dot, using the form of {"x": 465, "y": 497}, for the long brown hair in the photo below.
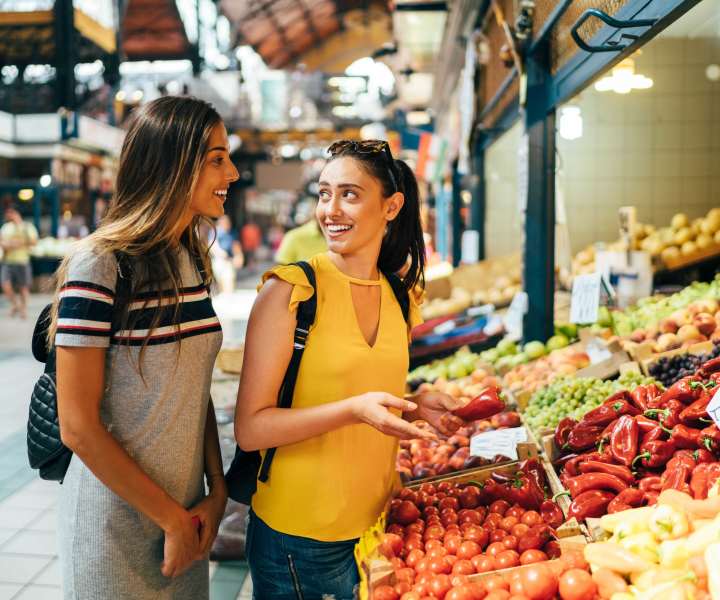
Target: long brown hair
{"x": 160, "y": 162}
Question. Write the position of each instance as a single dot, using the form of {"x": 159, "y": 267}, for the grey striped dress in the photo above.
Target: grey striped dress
{"x": 108, "y": 550}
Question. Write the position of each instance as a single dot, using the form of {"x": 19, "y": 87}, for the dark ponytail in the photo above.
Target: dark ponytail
{"x": 404, "y": 237}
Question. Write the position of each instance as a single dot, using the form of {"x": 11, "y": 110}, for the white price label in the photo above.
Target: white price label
{"x": 585, "y": 300}
{"x": 513, "y": 319}
{"x": 713, "y": 409}
{"x": 502, "y": 441}
{"x": 597, "y": 350}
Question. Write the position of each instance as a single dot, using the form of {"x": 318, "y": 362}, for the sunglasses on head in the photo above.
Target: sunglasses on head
{"x": 366, "y": 148}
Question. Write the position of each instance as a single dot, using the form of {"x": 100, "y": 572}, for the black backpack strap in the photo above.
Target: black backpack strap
{"x": 401, "y": 293}
{"x": 305, "y": 318}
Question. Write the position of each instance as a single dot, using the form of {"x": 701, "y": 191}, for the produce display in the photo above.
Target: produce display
{"x": 667, "y": 370}
{"x": 573, "y": 397}
{"x": 422, "y": 458}
{"x": 438, "y": 535}
{"x": 460, "y": 365}
{"x": 640, "y": 443}
{"x": 668, "y": 551}
{"x": 537, "y": 374}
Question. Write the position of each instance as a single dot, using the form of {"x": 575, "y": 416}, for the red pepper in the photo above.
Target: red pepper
{"x": 702, "y": 455}
{"x": 583, "y": 437}
{"x": 711, "y": 366}
{"x": 682, "y": 457}
{"x": 592, "y": 503}
{"x": 699, "y": 481}
{"x": 620, "y": 471}
{"x": 532, "y": 468}
{"x": 710, "y": 438}
{"x": 697, "y": 410}
{"x": 524, "y": 491}
{"x": 624, "y": 440}
{"x": 560, "y": 463}
{"x": 488, "y": 403}
{"x": 627, "y": 499}
{"x": 645, "y": 424}
{"x": 681, "y": 390}
{"x": 686, "y": 437}
{"x": 551, "y": 514}
{"x": 668, "y": 415}
{"x": 677, "y": 478}
{"x": 652, "y": 498}
{"x": 655, "y": 454}
{"x": 615, "y": 406}
{"x": 652, "y": 483}
{"x": 594, "y": 481}
{"x": 643, "y": 395}
{"x": 562, "y": 431}
{"x": 572, "y": 467}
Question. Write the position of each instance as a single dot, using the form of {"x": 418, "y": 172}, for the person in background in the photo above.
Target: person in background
{"x": 227, "y": 254}
{"x": 304, "y": 242}
{"x": 16, "y": 239}
{"x": 251, "y": 238}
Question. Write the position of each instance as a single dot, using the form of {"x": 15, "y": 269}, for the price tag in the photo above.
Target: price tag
{"x": 713, "y": 409}
{"x": 597, "y": 350}
{"x": 585, "y": 300}
{"x": 502, "y": 441}
{"x": 513, "y": 319}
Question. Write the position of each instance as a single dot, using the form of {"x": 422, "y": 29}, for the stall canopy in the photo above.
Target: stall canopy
{"x": 314, "y": 32}
{"x": 153, "y": 30}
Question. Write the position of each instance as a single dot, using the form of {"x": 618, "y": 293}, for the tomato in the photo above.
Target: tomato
{"x": 413, "y": 557}
{"x": 574, "y": 560}
{"x": 439, "y": 585}
{"x": 496, "y": 582}
{"x": 402, "y": 588}
{"x": 440, "y": 565}
{"x": 449, "y": 518}
{"x": 510, "y": 542}
{"x": 458, "y": 579}
{"x": 500, "y": 507}
{"x": 406, "y": 575}
{"x": 463, "y": 567}
{"x": 444, "y": 486}
{"x": 498, "y": 595}
{"x": 516, "y": 511}
{"x": 531, "y": 518}
{"x": 440, "y": 495}
{"x": 433, "y": 520}
{"x": 469, "y": 496}
{"x": 430, "y": 544}
{"x": 518, "y": 597}
{"x": 495, "y": 548}
{"x": 408, "y": 494}
{"x": 385, "y": 592}
{"x": 468, "y": 549}
{"x": 436, "y": 552}
{"x": 479, "y": 535}
{"x": 539, "y": 582}
{"x": 532, "y": 556}
{"x": 413, "y": 544}
{"x": 406, "y": 513}
{"x": 431, "y": 511}
{"x": 516, "y": 586}
{"x": 452, "y": 543}
{"x": 577, "y": 584}
{"x": 449, "y": 502}
{"x": 424, "y": 578}
{"x": 494, "y": 518}
{"x": 484, "y": 563}
{"x": 519, "y": 530}
{"x": 416, "y": 527}
{"x": 497, "y": 535}
{"x": 391, "y": 545}
{"x": 508, "y": 522}
{"x": 397, "y": 529}
{"x": 423, "y": 565}
{"x": 556, "y": 567}
{"x": 463, "y": 592}
{"x": 427, "y": 488}
{"x": 552, "y": 549}
{"x": 507, "y": 559}
{"x": 434, "y": 532}
{"x": 451, "y": 558}
{"x": 452, "y": 529}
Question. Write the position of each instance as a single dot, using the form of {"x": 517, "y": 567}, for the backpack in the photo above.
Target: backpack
{"x": 45, "y": 449}
{"x": 248, "y": 467}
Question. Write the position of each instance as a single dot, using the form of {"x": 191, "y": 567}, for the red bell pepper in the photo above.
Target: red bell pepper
{"x": 652, "y": 498}
{"x": 615, "y": 406}
{"x": 681, "y": 390}
{"x": 592, "y": 503}
{"x": 682, "y": 457}
{"x": 572, "y": 467}
{"x": 624, "y": 440}
{"x": 532, "y": 468}
{"x": 552, "y": 514}
{"x": 702, "y": 455}
{"x": 710, "y": 438}
{"x": 668, "y": 415}
{"x": 488, "y": 403}
{"x": 711, "y": 366}
{"x": 646, "y": 424}
{"x": 651, "y": 483}
{"x": 697, "y": 410}
{"x": 699, "y": 481}
{"x": 686, "y": 437}
{"x": 643, "y": 395}
{"x": 677, "y": 478}
{"x": 562, "y": 431}
{"x": 583, "y": 437}
{"x": 621, "y": 471}
{"x": 655, "y": 454}
{"x": 524, "y": 491}
{"x": 560, "y": 463}
{"x": 594, "y": 481}
{"x": 627, "y": 499}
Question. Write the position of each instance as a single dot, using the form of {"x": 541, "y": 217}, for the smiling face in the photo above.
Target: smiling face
{"x": 351, "y": 209}
{"x": 216, "y": 175}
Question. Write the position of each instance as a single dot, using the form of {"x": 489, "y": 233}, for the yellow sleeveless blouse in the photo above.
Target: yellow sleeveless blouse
{"x": 333, "y": 487}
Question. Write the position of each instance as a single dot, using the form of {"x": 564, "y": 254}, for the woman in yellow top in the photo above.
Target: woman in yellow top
{"x": 335, "y": 464}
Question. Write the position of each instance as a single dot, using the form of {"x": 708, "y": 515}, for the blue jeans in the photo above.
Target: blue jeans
{"x": 289, "y": 567}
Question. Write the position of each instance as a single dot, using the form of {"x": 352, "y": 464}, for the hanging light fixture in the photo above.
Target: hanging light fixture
{"x": 623, "y": 79}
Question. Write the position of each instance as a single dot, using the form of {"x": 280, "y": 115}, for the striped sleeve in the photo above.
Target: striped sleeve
{"x": 86, "y": 301}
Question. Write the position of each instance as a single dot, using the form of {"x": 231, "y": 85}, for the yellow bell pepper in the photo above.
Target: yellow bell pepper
{"x": 712, "y": 556}
{"x": 714, "y": 490}
{"x": 674, "y": 554}
{"x": 648, "y": 579}
{"x": 616, "y": 558}
{"x": 633, "y": 518}
{"x": 622, "y": 596}
{"x": 669, "y": 590}
{"x": 643, "y": 545}
{"x": 698, "y": 541}
{"x": 668, "y": 523}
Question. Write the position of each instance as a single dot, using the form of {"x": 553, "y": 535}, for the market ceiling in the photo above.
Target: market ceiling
{"x": 153, "y": 30}
{"x": 322, "y": 34}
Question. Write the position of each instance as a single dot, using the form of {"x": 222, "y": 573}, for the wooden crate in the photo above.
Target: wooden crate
{"x": 643, "y": 353}
{"x": 698, "y": 256}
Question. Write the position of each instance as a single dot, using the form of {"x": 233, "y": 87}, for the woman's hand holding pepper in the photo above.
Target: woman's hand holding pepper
{"x": 436, "y": 408}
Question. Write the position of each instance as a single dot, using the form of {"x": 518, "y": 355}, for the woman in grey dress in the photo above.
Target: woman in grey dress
{"x": 136, "y": 339}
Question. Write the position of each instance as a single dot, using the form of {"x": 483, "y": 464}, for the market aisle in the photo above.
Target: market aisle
{"x": 28, "y": 558}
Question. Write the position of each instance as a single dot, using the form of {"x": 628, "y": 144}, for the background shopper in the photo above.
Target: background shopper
{"x": 17, "y": 237}
{"x": 133, "y": 373}
{"x": 335, "y": 464}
